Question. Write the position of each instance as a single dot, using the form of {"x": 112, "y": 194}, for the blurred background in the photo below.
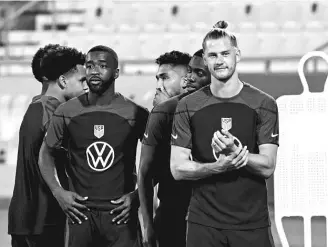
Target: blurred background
{"x": 272, "y": 36}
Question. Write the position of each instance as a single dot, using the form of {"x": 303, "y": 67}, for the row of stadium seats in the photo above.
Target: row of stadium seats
{"x": 148, "y": 46}
{"x": 190, "y": 12}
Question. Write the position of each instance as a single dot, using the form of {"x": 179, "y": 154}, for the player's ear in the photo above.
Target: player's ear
{"x": 116, "y": 73}
{"x": 62, "y": 82}
{"x": 238, "y": 55}
{"x": 204, "y": 59}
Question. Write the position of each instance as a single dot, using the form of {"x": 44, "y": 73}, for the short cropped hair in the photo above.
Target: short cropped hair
{"x": 58, "y": 62}
{"x": 108, "y": 50}
{"x": 219, "y": 32}
{"x": 37, "y": 59}
{"x": 174, "y": 58}
{"x": 199, "y": 53}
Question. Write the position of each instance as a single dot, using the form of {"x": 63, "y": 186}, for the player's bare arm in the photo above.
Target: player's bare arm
{"x": 68, "y": 201}
{"x": 264, "y": 163}
{"x": 183, "y": 168}
{"x": 146, "y": 193}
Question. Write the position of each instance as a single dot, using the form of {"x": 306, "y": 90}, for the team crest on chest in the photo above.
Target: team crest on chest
{"x": 226, "y": 123}
{"x": 99, "y": 131}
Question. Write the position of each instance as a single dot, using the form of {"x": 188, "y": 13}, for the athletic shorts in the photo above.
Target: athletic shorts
{"x": 204, "y": 236}
{"x": 170, "y": 226}
{"x": 100, "y": 231}
{"x": 51, "y": 237}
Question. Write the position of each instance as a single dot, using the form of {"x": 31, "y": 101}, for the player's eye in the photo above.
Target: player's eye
{"x": 200, "y": 74}
{"x": 88, "y": 66}
{"x": 103, "y": 66}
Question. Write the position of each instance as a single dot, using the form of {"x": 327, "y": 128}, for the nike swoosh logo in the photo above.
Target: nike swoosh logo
{"x": 174, "y": 136}
{"x": 145, "y": 135}
{"x": 274, "y": 135}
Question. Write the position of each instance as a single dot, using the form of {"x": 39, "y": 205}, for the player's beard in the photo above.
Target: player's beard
{"x": 102, "y": 87}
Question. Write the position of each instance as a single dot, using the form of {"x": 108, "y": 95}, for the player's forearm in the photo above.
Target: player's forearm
{"x": 191, "y": 170}
{"x": 261, "y": 165}
{"x": 146, "y": 195}
{"x": 48, "y": 169}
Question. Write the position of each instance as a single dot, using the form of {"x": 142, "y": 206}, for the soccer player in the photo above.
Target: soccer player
{"x": 155, "y": 164}
{"x": 35, "y": 218}
{"x": 198, "y": 74}
{"x": 172, "y": 68}
{"x": 100, "y": 129}
{"x": 230, "y": 129}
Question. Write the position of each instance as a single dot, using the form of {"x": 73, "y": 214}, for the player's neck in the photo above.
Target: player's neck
{"x": 103, "y": 99}
{"x": 54, "y": 91}
{"x": 226, "y": 89}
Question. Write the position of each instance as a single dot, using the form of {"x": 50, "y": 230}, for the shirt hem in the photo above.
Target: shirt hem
{"x": 249, "y": 226}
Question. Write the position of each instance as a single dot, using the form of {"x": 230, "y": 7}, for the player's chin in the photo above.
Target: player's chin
{"x": 191, "y": 89}
{"x": 95, "y": 89}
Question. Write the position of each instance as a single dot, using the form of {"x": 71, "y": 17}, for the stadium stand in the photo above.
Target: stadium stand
{"x": 284, "y": 23}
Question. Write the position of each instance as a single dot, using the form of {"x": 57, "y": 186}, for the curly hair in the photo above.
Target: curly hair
{"x": 174, "y": 58}
{"x": 37, "y": 59}
{"x": 219, "y": 32}
{"x": 58, "y": 62}
{"x": 199, "y": 53}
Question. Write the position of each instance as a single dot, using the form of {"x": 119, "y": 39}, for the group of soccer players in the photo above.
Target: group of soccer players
{"x": 210, "y": 143}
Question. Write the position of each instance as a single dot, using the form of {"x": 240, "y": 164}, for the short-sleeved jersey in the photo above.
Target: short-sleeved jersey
{"x": 33, "y": 206}
{"x": 235, "y": 199}
{"x": 101, "y": 142}
{"x": 158, "y": 135}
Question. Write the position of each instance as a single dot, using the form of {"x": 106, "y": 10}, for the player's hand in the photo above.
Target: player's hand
{"x": 148, "y": 236}
{"x": 234, "y": 160}
{"x": 223, "y": 141}
{"x": 69, "y": 202}
{"x": 127, "y": 205}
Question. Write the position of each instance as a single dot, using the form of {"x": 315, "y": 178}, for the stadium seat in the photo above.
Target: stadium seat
{"x": 270, "y": 44}
{"x": 153, "y": 45}
{"x": 178, "y": 28}
{"x": 199, "y": 12}
{"x": 127, "y": 46}
{"x": 123, "y": 13}
{"x": 317, "y": 12}
{"x": 301, "y": 174}
{"x": 180, "y": 41}
{"x": 102, "y": 38}
{"x": 156, "y": 13}
{"x": 20, "y": 36}
{"x": 22, "y": 51}
{"x": 2, "y": 51}
{"x": 294, "y": 44}
{"x": 230, "y": 11}
{"x": 249, "y": 44}
{"x": 128, "y": 28}
{"x": 154, "y": 28}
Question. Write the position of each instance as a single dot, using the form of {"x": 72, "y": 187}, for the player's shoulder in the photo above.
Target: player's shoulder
{"x": 168, "y": 106}
{"x": 196, "y": 99}
{"x": 259, "y": 97}
{"x": 130, "y": 105}
{"x": 49, "y": 103}
{"x": 72, "y": 106}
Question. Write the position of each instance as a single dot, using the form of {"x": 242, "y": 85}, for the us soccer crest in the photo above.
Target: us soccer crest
{"x": 99, "y": 131}
{"x": 226, "y": 123}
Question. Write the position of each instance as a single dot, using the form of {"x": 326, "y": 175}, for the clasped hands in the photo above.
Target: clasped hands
{"x": 228, "y": 155}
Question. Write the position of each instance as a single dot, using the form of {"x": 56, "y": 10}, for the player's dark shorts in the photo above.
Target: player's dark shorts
{"x": 100, "y": 231}
{"x": 51, "y": 237}
{"x": 204, "y": 236}
{"x": 170, "y": 225}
